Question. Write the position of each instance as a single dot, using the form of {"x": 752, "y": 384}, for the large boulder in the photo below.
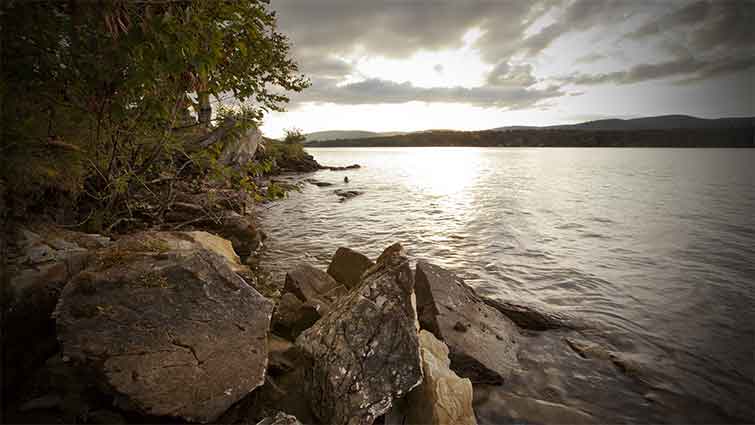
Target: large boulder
{"x": 170, "y": 332}
{"x": 347, "y": 266}
{"x": 365, "y": 351}
{"x": 483, "y": 342}
{"x": 443, "y": 397}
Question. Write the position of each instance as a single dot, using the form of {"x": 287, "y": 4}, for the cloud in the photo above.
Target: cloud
{"x": 375, "y": 91}
{"x": 400, "y": 29}
{"x": 703, "y": 27}
{"x": 689, "y": 68}
{"x": 685, "y": 40}
{"x": 690, "y": 14}
{"x": 579, "y": 15}
{"x": 590, "y": 58}
{"x": 507, "y": 75}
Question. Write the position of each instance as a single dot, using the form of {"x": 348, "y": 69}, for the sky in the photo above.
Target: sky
{"x": 411, "y": 65}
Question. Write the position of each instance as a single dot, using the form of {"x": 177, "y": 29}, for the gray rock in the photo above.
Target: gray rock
{"x": 280, "y": 419}
{"x": 486, "y": 350}
{"x": 318, "y": 183}
{"x": 239, "y": 152}
{"x": 313, "y": 286}
{"x": 365, "y": 351}
{"x": 345, "y": 195}
{"x": 347, "y": 266}
{"x": 241, "y": 231}
{"x": 530, "y": 317}
{"x": 292, "y": 316}
{"x": 283, "y": 356}
{"x": 48, "y": 401}
{"x": 347, "y": 167}
{"x": 171, "y": 332}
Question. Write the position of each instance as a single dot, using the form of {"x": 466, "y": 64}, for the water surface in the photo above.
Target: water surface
{"x": 654, "y": 245}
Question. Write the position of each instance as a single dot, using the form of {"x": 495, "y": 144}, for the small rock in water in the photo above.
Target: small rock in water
{"x": 346, "y": 194}
{"x": 318, "y": 183}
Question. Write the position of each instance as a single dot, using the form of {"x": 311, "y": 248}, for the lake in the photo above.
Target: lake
{"x": 656, "y": 246}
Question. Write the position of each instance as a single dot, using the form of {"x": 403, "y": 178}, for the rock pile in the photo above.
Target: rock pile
{"x": 160, "y": 326}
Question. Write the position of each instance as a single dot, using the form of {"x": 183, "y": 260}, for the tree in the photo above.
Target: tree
{"x": 93, "y": 92}
{"x": 294, "y": 135}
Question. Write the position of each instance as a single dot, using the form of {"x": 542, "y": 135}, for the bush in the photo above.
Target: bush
{"x": 95, "y": 94}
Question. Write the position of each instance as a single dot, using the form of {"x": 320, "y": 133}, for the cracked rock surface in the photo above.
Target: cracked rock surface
{"x": 365, "y": 352}
{"x": 169, "y": 333}
{"x": 483, "y": 342}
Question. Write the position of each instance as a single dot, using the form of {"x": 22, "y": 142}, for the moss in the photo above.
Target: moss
{"x": 154, "y": 280}
{"x": 128, "y": 249}
{"x": 111, "y": 258}
{"x": 157, "y": 246}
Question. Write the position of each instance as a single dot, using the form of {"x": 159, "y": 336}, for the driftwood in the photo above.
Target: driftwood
{"x": 216, "y": 135}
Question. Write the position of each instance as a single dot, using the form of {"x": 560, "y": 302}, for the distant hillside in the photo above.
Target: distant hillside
{"x": 663, "y": 122}
{"x": 345, "y": 134}
{"x": 705, "y": 137}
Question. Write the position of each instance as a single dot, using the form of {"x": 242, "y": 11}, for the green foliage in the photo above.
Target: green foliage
{"x": 283, "y": 152}
{"x": 294, "y": 135}
{"x": 275, "y": 191}
{"x": 94, "y": 93}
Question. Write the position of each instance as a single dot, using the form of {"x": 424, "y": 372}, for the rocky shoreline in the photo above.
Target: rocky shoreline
{"x": 175, "y": 325}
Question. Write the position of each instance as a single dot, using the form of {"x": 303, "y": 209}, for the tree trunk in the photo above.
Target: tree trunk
{"x": 205, "y": 109}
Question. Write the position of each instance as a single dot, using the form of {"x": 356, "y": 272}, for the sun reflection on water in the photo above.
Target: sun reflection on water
{"x": 443, "y": 172}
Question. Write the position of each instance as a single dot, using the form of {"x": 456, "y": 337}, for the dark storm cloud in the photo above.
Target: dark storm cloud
{"x": 689, "y": 69}
{"x": 684, "y": 16}
{"x": 704, "y": 25}
{"x": 704, "y": 39}
{"x": 580, "y": 15}
{"x": 382, "y": 91}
